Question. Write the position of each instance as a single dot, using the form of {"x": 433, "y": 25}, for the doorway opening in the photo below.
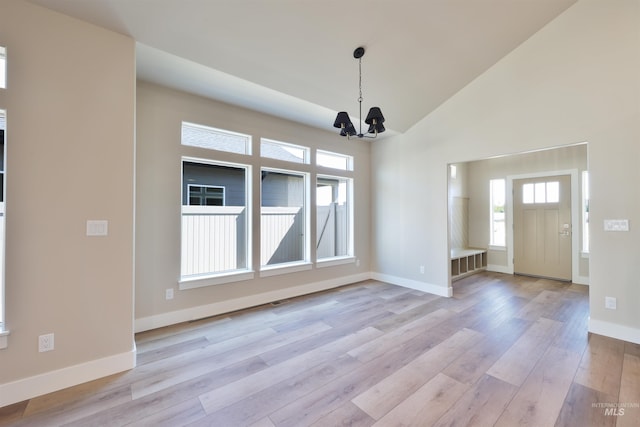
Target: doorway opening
{"x": 480, "y": 219}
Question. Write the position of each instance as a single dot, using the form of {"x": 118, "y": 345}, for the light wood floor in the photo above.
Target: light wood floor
{"x": 504, "y": 351}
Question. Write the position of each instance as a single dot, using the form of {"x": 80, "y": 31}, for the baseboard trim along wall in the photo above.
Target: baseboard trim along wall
{"x": 613, "y": 330}
{"x": 48, "y": 382}
{"x": 208, "y": 310}
{"x": 414, "y": 284}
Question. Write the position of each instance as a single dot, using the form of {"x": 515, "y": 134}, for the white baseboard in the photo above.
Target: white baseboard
{"x": 581, "y": 280}
{"x": 499, "y": 269}
{"x": 48, "y": 382}
{"x": 414, "y": 284}
{"x": 613, "y": 330}
{"x": 213, "y": 309}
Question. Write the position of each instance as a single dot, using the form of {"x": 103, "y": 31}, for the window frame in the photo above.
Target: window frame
{"x": 349, "y": 256}
{"x": 247, "y": 138}
{"x": 493, "y": 244}
{"x": 226, "y": 276}
{"x": 349, "y": 161}
{"x": 306, "y": 151}
{"x": 206, "y": 186}
{"x": 305, "y": 263}
{"x": 584, "y": 218}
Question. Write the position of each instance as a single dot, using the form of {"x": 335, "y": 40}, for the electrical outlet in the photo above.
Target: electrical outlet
{"x": 610, "y": 303}
{"x": 168, "y": 293}
{"x": 358, "y": 262}
{"x": 45, "y": 343}
{"x": 422, "y": 269}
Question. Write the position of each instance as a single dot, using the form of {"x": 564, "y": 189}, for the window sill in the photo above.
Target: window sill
{"x": 215, "y": 279}
{"x": 331, "y": 262}
{"x": 287, "y": 268}
{"x": 4, "y": 339}
{"x": 584, "y": 254}
{"x": 497, "y": 248}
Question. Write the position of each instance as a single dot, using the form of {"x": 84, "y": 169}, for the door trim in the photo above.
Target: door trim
{"x": 575, "y": 219}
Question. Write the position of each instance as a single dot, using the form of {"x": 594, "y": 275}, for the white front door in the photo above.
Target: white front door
{"x": 542, "y": 226}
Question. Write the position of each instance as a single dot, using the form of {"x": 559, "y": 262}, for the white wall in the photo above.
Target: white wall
{"x": 574, "y": 81}
{"x": 160, "y": 112}
{"x": 70, "y": 100}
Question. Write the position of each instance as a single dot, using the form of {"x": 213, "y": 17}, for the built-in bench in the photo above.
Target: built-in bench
{"x": 467, "y": 261}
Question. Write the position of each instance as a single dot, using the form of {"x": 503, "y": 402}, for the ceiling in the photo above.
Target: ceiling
{"x": 294, "y": 58}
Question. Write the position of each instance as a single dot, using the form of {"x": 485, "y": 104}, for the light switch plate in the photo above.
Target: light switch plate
{"x": 97, "y": 227}
{"x": 616, "y": 225}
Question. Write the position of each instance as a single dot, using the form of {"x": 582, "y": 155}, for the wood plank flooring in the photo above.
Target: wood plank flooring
{"x": 504, "y": 351}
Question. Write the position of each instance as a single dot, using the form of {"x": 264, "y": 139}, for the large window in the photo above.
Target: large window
{"x": 214, "y": 219}
{"x": 334, "y": 225}
{"x": 283, "y": 218}
{"x": 497, "y": 193}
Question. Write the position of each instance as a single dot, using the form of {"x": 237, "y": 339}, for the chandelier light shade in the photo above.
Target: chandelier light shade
{"x": 374, "y": 119}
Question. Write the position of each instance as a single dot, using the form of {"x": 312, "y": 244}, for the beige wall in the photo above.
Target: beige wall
{"x": 70, "y": 147}
{"x": 160, "y": 112}
{"x": 574, "y": 81}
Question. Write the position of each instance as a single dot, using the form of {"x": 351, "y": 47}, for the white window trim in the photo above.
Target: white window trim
{"x": 335, "y": 261}
{"x": 349, "y": 160}
{"x": 306, "y": 157}
{"x": 285, "y": 268}
{"x": 198, "y": 281}
{"x": 215, "y": 279}
{"x": 291, "y": 267}
{"x": 350, "y": 197}
{"x": 492, "y": 244}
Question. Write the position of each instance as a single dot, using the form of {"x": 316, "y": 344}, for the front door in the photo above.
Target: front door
{"x": 542, "y": 227}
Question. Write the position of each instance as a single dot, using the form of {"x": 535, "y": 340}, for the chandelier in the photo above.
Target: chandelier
{"x": 374, "y": 118}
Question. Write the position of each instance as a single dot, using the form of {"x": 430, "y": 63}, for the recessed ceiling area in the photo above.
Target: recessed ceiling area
{"x": 294, "y": 59}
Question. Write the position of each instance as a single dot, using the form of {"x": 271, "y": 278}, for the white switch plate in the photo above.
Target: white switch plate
{"x": 168, "y": 293}
{"x": 45, "y": 343}
{"x": 616, "y": 225}
{"x": 610, "y": 303}
{"x": 97, "y": 227}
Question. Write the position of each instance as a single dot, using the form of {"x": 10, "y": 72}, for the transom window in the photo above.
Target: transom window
{"x": 284, "y": 151}
{"x": 215, "y": 139}
{"x": 541, "y": 192}
{"x": 334, "y": 160}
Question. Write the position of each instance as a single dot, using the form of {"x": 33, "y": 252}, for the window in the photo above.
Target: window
{"x": 283, "y": 218}
{"x": 284, "y": 151}
{"x": 2, "y": 186}
{"x": 497, "y": 194}
{"x": 3, "y": 68}
{"x": 206, "y": 195}
{"x": 215, "y": 139}
{"x": 334, "y": 160}
{"x": 334, "y": 219}
{"x": 585, "y": 212}
{"x": 541, "y": 192}
{"x": 214, "y": 219}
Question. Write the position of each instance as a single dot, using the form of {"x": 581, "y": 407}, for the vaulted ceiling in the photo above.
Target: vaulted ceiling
{"x": 294, "y": 58}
